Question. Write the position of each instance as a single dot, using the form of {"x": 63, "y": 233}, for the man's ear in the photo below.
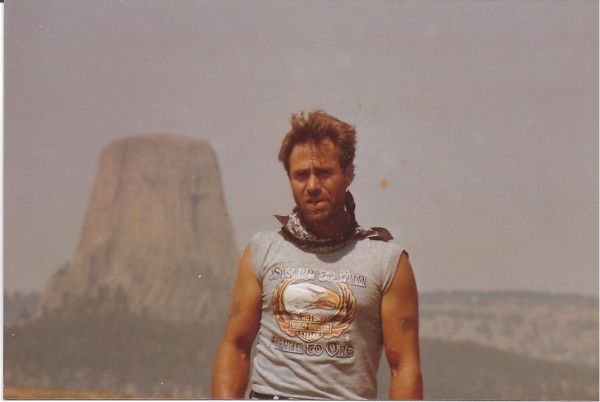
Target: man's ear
{"x": 349, "y": 174}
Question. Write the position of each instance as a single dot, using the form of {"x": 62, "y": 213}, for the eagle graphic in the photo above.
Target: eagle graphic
{"x": 310, "y": 311}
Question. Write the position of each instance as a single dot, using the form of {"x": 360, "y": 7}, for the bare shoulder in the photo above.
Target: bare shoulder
{"x": 401, "y": 298}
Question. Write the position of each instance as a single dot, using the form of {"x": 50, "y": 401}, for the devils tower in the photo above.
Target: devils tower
{"x": 156, "y": 231}
{"x": 145, "y": 295}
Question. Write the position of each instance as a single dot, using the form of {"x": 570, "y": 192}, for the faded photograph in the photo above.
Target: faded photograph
{"x": 141, "y": 146}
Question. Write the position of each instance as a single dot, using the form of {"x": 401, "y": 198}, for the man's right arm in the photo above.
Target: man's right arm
{"x": 232, "y": 365}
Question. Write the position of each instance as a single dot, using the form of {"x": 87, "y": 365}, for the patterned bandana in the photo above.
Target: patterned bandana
{"x": 296, "y": 231}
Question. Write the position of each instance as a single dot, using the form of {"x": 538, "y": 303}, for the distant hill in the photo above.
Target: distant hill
{"x": 548, "y": 326}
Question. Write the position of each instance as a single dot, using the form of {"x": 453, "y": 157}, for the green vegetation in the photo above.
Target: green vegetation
{"x": 464, "y": 370}
{"x": 87, "y": 348}
{"x": 113, "y": 351}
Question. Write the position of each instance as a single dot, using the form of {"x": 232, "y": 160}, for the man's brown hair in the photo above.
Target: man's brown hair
{"x": 316, "y": 128}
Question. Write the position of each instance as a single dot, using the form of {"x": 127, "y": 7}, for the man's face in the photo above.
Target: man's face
{"x": 318, "y": 181}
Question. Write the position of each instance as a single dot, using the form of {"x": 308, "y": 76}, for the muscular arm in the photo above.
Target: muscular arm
{"x": 400, "y": 322}
{"x": 232, "y": 365}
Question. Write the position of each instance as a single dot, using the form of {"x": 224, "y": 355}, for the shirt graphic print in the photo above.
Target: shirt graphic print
{"x": 313, "y": 311}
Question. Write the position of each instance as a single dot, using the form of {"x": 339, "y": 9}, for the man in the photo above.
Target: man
{"x": 323, "y": 293}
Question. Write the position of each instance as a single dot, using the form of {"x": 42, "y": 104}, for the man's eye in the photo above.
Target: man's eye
{"x": 301, "y": 176}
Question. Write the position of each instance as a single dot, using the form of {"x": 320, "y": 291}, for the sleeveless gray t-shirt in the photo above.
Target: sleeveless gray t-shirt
{"x": 320, "y": 330}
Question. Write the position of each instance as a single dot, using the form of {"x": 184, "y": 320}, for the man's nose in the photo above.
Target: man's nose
{"x": 313, "y": 186}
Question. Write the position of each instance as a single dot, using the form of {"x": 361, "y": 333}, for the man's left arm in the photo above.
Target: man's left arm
{"x": 400, "y": 323}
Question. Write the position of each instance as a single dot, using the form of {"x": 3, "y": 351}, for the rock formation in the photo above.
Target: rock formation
{"x": 156, "y": 236}
{"x": 141, "y": 307}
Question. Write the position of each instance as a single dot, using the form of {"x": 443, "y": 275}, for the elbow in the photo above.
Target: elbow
{"x": 238, "y": 345}
{"x": 231, "y": 348}
{"x": 408, "y": 373}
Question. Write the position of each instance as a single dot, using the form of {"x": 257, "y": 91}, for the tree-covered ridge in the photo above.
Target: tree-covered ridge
{"x": 545, "y": 326}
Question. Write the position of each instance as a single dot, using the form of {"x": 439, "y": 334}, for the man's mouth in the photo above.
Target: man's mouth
{"x": 316, "y": 206}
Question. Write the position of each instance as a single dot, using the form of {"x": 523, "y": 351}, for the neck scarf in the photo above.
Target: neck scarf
{"x": 297, "y": 232}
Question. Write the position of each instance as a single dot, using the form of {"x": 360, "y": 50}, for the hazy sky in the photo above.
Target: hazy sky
{"x": 481, "y": 115}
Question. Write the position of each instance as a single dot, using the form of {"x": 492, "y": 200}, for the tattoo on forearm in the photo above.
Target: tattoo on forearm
{"x": 235, "y": 309}
{"x": 408, "y": 323}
